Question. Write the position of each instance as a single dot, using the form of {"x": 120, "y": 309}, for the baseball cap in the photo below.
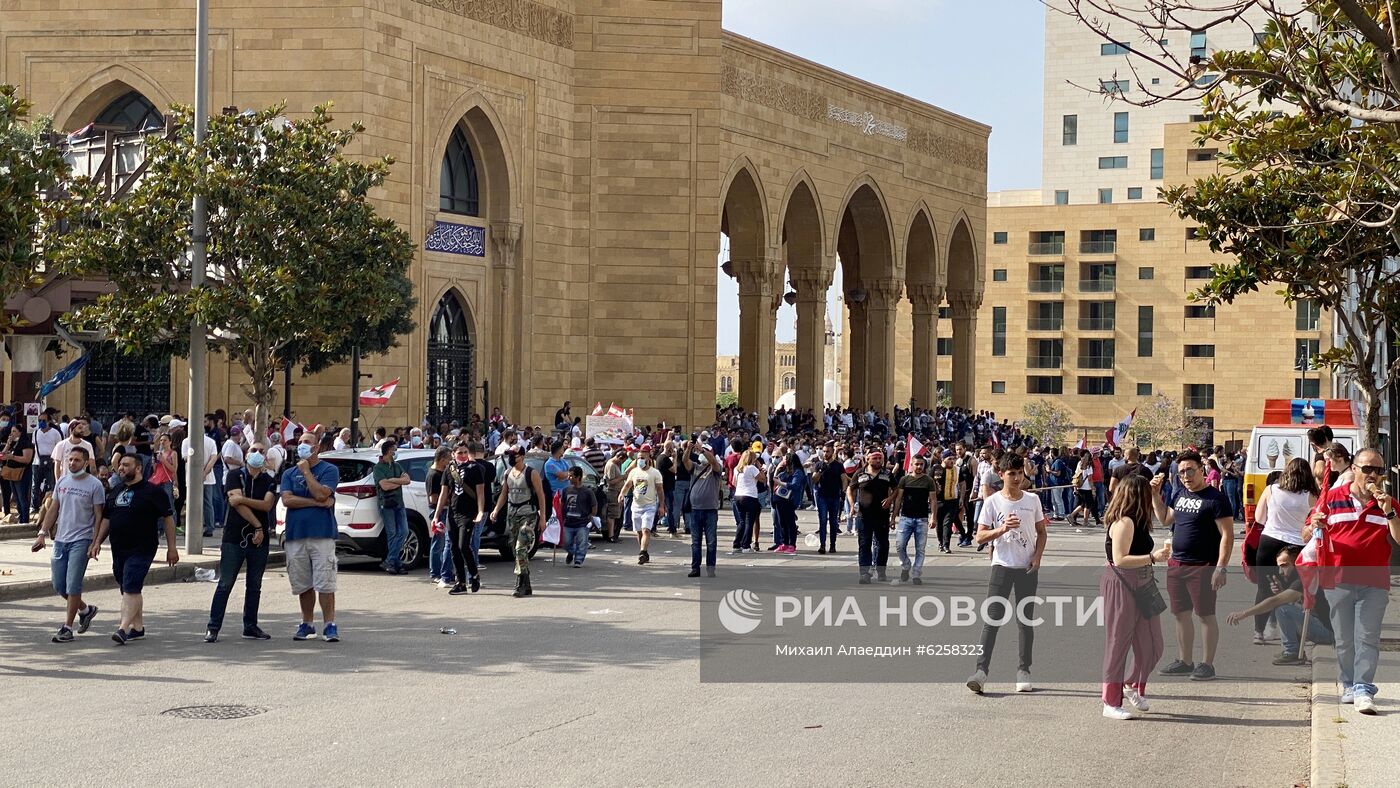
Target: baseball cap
{"x": 947, "y": 453}
{"x": 646, "y": 447}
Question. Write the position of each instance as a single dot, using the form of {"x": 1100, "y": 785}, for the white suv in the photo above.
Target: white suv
{"x": 357, "y": 504}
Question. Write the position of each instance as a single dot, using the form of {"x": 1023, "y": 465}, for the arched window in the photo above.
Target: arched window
{"x": 457, "y": 187}
{"x": 130, "y": 112}
{"x": 789, "y": 383}
{"x": 451, "y": 355}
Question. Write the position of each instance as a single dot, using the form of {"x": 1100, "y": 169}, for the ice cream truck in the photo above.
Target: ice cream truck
{"x": 1283, "y": 434}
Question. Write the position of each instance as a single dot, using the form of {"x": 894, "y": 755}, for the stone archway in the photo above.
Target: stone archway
{"x": 872, "y": 287}
{"x": 925, "y": 294}
{"x": 965, "y": 285}
{"x": 810, "y": 273}
{"x": 451, "y": 361}
{"x": 744, "y": 220}
{"x": 83, "y": 103}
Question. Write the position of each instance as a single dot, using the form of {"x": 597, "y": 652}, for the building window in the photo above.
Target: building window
{"x": 1098, "y": 241}
{"x": 1061, "y": 197}
{"x": 1260, "y": 38}
{"x": 998, "y": 274}
{"x": 1134, "y": 192}
{"x": 457, "y": 186}
{"x": 1144, "y": 335}
{"x": 1113, "y": 87}
{"x": 999, "y": 237}
{"x": 1069, "y": 130}
{"x": 130, "y": 112}
{"x": 1113, "y": 162}
{"x": 1105, "y": 196}
{"x": 1155, "y": 172}
{"x": 945, "y": 346}
{"x": 1193, "y": 233}
{"x": 789, "y": 382}
{"x": 1198, "y": 45}
{"x": 1113, "y": 48}
{"x": 1147, "y": 233}
{"x": 1120, "y": 127}
{"x": 1200, "y": 351}
{"x": 945, "y": 387}
{"x": 998, "y": 387}
{"x": 1310, "y": 388}
{"x": 1203, "y": 154}
{"x": 945, "y": 312}
{"x": 1198, "y": 272}
{"x": 1200, "y": 311}
{"x": 1304, "y": 351}
{"x": 998, "y": 331}
{"x": 1045, "y": 384}
{"x": 1147, "y": 272}
{"x": 1144, "y": 389}
{"x": 1096, "y": 386}
{"x": 1308, "y": 313}
{"x": 1200, "y": 396}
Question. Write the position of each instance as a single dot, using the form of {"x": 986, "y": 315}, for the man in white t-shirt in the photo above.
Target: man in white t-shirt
{"x": 644, "y": 483}
{"x": 77, "y": 430}
{"x": 211, "y": 484}
{"x": 1006, "y": 519}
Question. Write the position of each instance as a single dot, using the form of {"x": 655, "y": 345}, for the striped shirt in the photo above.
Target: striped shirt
{"x": 1357, "y": 539}
{"x": 596, "y": 458}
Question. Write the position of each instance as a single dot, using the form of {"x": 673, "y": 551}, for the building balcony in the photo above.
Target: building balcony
{"x": 1045, "y": 324}
{"x": 1047, "y": 247}
{"x": 1096, "y": 362}
{"x": 1044, "y": 362}
{"x": 1098, "y": 247}
{"x": 1046, "y": 286}
{"x": 1096, "y": 324}
{"x": 1103, "y": 285}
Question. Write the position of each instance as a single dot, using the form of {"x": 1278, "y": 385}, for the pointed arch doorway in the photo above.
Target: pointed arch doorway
{"x": 451, "y": 361}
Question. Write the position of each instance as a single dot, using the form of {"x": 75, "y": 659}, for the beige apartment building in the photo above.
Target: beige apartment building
{"x": 1088, "y": 305}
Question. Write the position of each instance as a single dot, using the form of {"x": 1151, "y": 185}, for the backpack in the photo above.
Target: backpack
{"x": 529, "y": 484}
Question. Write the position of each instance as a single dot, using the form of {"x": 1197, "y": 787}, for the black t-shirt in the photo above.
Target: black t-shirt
{"x": 830, "y": 484}
{"x": 135, "y": 514}
{"x": 433, "y": 483}
{"x": 1195, "y": 539}
{"x": 22, "y": 442}
{"x": 914, "y": 500}
{"x": 667, "y": 466}
{"x": 1321, "y": 611}
{"x": 682, "y": 472}
{"x": 256, "y": 488}
{"x": 488, "y": 475}
{"x": 465, "y": 480}
{"x": 578, "y": 504}
{"x": 1122, "y": 471}
{"x": 871, "y": 491}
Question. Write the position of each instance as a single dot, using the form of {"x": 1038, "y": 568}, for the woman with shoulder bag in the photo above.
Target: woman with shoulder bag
{"x": 164, "y": 469}
{"x": 1132, "y": 602}
{"x": 15, "y": 461}
{"x": 788, "y": 485}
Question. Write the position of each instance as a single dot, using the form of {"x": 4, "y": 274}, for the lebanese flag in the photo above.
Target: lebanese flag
{"x": 996, "y": 439}
{"x": 1314, "y": 556}
{"x": 379, "y": 395}
{"x": 914, "y": 449}
{"x": 1082, "y": 444}
{"x": 615, "y": 411}
{"x": 597, "y": 410}
{"x": 288, "y": 430}
{"x": 1120, "y": 431}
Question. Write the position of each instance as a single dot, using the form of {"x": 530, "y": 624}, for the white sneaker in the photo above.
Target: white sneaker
{"x": 978, "y": 679}
{"x": 1348, "y": 696}
{"x": 1116, "y": 712}
{"x": 1271, "y": 632}
{"x": 1023, "y": 681}
{"x": 443, "y": 584}
{"x": 1134, "y": 699}
{"x": 1364, "y": 704}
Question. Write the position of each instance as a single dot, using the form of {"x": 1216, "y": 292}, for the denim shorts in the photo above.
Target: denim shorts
{"x": 131, "y": 569}
{"x": 69, "y": 564}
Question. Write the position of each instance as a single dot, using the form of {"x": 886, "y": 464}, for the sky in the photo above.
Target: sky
{"x": 979, "y": 58}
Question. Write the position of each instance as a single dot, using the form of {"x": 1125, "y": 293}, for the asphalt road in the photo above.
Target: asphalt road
{"x": 593, "y": 681}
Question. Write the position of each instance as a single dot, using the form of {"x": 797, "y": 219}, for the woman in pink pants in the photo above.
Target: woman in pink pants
{"x": 1128, "y": 547}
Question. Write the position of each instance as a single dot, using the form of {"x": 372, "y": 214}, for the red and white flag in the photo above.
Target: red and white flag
{"x": 1119, "y": 431}
{"x": 1082, "y": 444}
{"x": 597, "y": 410}
{"x": 914, "y": 449}
{"x": 288, "y": 429}
{"x": 1314, "y": 556}
{"x": 615, "y": 411}
{"x": 379, "y": 395}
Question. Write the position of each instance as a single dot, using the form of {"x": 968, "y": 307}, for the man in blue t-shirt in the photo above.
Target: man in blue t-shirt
{"x": 308, "y": 492}
{"x": 1202, "y": 539}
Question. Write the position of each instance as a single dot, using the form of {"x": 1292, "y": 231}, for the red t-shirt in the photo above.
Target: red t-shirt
{"x": 729, "y": 463}
{"x": 1356, "y": 539}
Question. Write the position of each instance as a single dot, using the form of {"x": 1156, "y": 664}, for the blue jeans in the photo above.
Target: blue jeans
{"x": 916, "y": 527}
{"x": 440, "y": 551}
{"x": 1290, "y": 627}
{"x": 675, "y": 508}
{"x": 395, "y": 531}
{"x": 748, "y": 512}
{"x": 1231, "y": 488}
{"x": 231, "y": 558}
{"x": 1356, "y": 623}
{"x": 576, "y": 542}
{"x": 1100, "y": 492}
{"x": 703, "y": 526}
{"x": 69, "y": 564}
{"x": 211, "y": 503}
{"x": 829, "y": 518}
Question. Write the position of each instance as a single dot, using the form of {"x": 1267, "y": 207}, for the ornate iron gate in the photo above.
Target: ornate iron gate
{"x": 114, "y": 383}
{"x": 451, "y": 359}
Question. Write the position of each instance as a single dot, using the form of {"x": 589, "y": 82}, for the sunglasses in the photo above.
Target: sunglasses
{"x": 1372, "y": 470}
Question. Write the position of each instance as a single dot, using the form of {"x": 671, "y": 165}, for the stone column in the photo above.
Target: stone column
{"x": 811, "y": 289}
{"x": 964, "y": 307}
{"x": 506, "y": 375}
{"x": 855, "y": 330}
{"x": 882, "y": 301}
{"x": 757, "y": 323}
{"x": 925, "y": 299}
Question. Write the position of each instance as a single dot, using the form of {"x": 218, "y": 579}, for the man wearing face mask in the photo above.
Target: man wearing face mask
{"x": 415, "y": 439}
{"x": 46, "y": 439}
{"x": 78, "y": 498}
{"x": 132, "y": 515}
{"x": 251, "y": 492}
{"x": 644, "y": 482}
{"x": 308, "y": 492}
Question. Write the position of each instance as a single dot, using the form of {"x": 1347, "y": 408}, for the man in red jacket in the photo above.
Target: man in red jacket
{"x": 1355, "y": 577}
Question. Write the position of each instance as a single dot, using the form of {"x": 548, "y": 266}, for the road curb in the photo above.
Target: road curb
{"x": 1328, "y": 765}
{"x": 19, "y": 530}
{"x": 103, "y": 581}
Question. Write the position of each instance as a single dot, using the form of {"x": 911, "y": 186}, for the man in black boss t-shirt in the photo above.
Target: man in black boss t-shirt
{"x": 132, "y": 517}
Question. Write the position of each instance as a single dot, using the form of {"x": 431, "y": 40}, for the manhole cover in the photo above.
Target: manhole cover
{"x": 233, "y": 712}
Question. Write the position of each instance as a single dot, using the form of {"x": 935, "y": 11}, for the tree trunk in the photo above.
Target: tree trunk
{"x": 1371, "y": 399}
{"x": 261, "y": 386}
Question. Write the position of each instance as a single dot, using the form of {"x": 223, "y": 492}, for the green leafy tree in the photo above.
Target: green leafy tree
{"x": 1045, "y": 421}
{"x": 30, "y": 172}
{"x": 300, "y": 267}
{"x": 727, "y": 400}
{"x": 1164, "y": 423}
{"x": 1308, "y": 192}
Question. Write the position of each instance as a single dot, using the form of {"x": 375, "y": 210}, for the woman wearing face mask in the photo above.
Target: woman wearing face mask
{"x": 15, "y": 457}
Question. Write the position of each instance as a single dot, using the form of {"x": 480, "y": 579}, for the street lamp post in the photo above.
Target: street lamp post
{"x": 199, "y": 240}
